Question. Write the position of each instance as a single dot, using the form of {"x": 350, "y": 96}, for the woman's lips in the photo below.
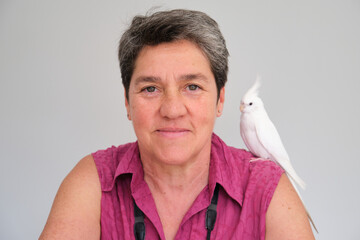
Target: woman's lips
{"x": 172, "y": 132}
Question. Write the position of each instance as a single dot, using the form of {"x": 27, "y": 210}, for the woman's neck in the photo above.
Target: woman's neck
{"x": 175, "y": 180}
{"x": 174, "y": 189}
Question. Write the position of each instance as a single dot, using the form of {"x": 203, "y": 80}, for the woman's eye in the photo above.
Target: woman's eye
{"x": 150, "y": 89}
{"x": 193, "y": 87}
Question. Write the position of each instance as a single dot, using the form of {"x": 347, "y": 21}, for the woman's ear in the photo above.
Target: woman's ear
{"x": 220, "y": 104}
{"x": 127, "y": 105}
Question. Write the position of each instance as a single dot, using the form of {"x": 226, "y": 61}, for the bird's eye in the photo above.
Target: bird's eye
{"x": 250, "y": 103}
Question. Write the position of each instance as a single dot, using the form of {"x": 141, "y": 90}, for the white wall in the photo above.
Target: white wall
{"x": 61, "y": 96}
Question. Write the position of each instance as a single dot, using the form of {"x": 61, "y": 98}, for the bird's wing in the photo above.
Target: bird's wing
{"x": 243, "y": 136}
{"x": 269, "y": 137}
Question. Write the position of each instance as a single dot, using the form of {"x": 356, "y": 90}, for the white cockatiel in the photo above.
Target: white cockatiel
{"x": 261, "y": 137}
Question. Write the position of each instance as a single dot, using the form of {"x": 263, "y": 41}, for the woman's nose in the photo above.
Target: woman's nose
{"x": 172, "y": 105}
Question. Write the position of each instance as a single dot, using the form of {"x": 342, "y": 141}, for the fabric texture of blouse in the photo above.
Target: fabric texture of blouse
{"x": 246, "y": 189}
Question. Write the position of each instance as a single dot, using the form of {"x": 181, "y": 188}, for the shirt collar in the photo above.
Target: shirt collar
{"x": 127, "y": 159}
{"x": 225, "y": 169}
{"x": 228, "y": 169}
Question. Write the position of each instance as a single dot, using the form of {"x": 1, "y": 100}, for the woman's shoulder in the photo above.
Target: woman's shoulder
{"x": 242, "y": 158}
{"x": 114, "y": 154}
{"x": 76, "y": 209}
{"x": 75, "y": 212}
{"x": 257, "y": 172}
{"x": 110, "y": 158}
{"x": 113, "y": 160}
{"x": 255, "y": 176}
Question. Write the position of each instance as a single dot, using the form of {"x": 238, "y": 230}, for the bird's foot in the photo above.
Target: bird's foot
{"x": 258, "y": 159}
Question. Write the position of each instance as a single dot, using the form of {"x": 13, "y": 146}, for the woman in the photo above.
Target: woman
{"x": 171, "y": 182}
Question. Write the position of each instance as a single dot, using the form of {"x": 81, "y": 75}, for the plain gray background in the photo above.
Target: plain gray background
{"x": 61, "y": 96}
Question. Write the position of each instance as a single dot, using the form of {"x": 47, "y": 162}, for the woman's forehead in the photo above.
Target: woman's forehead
{"x": 182, "y": 58}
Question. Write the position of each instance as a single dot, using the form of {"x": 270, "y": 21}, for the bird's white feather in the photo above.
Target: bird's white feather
{"x": 270, "y": 139}
{"x": 261, "y": 136}
{"x": 254, "y": 90}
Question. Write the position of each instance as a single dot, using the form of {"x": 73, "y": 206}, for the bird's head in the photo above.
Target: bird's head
{"x": 251, "y": 101}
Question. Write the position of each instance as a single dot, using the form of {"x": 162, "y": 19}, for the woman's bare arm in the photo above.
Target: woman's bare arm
{"x": 286, "y": 217}
{"x": 75, "y": 213}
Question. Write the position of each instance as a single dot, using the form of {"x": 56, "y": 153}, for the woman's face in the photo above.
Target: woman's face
{"x": 173, "y": 102}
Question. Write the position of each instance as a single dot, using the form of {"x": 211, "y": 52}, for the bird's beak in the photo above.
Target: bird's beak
{"x": 242, "y": 107}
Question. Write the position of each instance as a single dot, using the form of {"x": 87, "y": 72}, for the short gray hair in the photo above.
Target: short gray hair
{"x": 169, "y": 26}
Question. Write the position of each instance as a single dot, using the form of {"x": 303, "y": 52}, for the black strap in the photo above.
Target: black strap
{"x": 211, "y": 212}
{"x": 139, "y": 225}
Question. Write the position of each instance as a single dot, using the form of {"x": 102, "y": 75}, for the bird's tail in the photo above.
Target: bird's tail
{"x": 311, "y": 221}
{"x": 307, "y": 212}
{"x": 285, "y": 163}
{"x": 298, "y": 180}
{"x": 290, "y": 171}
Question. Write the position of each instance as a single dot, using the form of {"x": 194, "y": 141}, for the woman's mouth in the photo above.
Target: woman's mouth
{"x": 172, "y": 132}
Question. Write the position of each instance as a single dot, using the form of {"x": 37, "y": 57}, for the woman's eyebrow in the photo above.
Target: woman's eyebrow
{"x": 146, "y": 79}
{"x": 193, "y": 76}
{"x": 185, "y": 77}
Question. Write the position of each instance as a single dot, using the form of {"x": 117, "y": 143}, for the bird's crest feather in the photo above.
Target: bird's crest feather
{"x": 254, "y": 90}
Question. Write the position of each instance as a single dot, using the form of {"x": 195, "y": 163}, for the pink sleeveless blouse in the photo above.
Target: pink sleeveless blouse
{"x": 246, "y": 189}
